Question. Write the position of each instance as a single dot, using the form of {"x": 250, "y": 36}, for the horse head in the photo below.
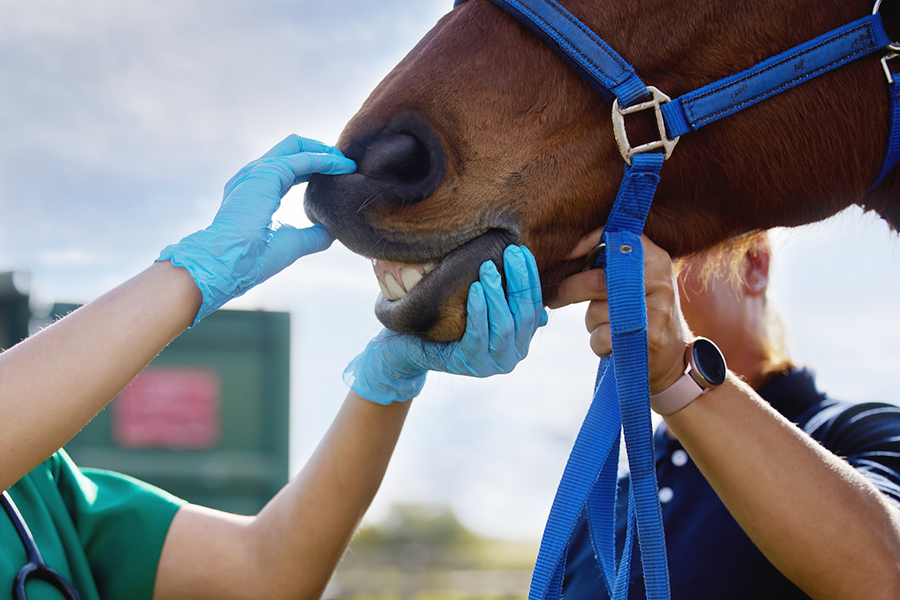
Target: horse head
{"x": 482, "y": 136}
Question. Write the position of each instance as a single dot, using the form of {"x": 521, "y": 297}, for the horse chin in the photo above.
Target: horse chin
{"x": 435, "y": 308}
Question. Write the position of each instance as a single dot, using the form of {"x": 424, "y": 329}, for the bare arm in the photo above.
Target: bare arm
{"x": 291, "y": 548}
{"x": 54, "y": 382}
{"x": 816, "y": 519}
{"x": 820, "y": 522}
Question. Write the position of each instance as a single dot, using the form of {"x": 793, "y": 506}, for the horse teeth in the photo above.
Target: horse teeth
{"x": 429, "y": 267}
{"x": 410, "y": 276}
{"x": 384, "y": 290}
{"x": 391, "y": 289}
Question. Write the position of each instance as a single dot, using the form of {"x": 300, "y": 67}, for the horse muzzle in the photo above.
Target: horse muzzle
{"x": 386, "y": 211}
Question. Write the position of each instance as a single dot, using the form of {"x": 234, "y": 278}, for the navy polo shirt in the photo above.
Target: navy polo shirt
{"x": 709, "y": 555}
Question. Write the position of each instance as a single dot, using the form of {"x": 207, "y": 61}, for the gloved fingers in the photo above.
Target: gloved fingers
{"x": 534, "y": 283}
{"x": 526, "y": 311}
{"x": 474, "y": 345}
{"x": 291, "y": 169}
{"x": 294, "y": 144}
{"x": 501, "y": 322}
{"x": 307, "y": 163}
{"x": 289, "y": 243}
{"x": 260, "y": 185}
{"x": 294, "y": 242}
{"x": 318, "y": 238}
{"x": 275, "y": 175}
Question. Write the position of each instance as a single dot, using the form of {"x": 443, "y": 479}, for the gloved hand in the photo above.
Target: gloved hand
{"x": 499, "y": 329}
{"x": 241, "y": 249}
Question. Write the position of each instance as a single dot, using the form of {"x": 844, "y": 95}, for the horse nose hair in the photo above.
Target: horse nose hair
{"x": 398, "y": 157}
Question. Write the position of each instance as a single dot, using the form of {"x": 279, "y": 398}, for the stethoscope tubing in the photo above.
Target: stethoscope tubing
{"x": 36, "y": 568}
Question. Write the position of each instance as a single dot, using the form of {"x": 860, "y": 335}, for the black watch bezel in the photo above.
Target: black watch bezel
{"x": 708, "y": 367}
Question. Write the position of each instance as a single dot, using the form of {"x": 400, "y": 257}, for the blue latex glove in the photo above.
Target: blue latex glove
{"x": 241, "y": 249}
{"x": 499, "y": 329}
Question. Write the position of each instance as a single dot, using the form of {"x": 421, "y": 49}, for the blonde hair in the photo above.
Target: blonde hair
{"x": 728, "y": 261}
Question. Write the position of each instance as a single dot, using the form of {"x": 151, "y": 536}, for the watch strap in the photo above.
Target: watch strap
{"x": 676, "y": 396}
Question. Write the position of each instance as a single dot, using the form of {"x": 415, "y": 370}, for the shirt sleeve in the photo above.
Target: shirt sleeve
{"x": 122, "y": 523}
{"x": 867, "y": 435}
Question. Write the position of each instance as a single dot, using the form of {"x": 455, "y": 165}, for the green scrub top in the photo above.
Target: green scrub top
{"x": 102, "y": 531}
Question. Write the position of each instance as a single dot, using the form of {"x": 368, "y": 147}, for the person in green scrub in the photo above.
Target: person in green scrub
{"x": 110, "y": 536}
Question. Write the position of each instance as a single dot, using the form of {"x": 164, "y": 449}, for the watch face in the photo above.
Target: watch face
{"x": 709, "y": 362}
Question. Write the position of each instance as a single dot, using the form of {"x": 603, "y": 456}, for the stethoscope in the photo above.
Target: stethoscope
{"x": 35, "y": 568}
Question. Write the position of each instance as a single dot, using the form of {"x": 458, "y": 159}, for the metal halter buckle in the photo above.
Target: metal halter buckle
{"x": 887, "y": 69}
{"x": 657, "y": 98}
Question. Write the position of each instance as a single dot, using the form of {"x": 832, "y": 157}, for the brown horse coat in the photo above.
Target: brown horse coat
{"x": 482, "y": 136}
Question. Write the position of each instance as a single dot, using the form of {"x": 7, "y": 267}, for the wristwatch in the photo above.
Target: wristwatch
{"x": 705, "y": 369}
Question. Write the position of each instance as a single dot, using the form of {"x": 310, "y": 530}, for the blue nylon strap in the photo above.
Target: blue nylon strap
{"x": 621, "y": 402}
{"x": 892, "y": 148}
{"x": 599, "y": 432}
{"x": 628, "y": 322}
{"x": 731, "y": 94}
{"x": 580, "y": 47}
{"x": 601, "y": 508}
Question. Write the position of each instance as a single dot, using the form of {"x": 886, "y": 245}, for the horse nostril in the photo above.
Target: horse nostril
{"x": 397, "y": 157}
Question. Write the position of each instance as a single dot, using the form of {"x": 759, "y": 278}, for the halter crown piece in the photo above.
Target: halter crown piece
{"x": 621, "y": 401}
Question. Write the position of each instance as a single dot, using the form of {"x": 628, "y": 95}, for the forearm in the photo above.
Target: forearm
{"x": 292, "y": 547}
{"x": 813, "y": 516}
{"x": 53, "y": 383}
{"x": 322, "y": 507}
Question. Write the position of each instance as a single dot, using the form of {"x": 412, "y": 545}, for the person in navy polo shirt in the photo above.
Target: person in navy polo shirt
{"x": 768, "y": 487}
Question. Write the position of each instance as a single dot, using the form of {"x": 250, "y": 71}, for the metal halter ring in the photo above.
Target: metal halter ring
{"x": 657, "y": 99}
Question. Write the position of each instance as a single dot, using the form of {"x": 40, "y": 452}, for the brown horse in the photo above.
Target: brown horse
{"x": 482, "y": 136}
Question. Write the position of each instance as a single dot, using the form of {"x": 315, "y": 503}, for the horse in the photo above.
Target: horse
{"x": 482, "y": 136}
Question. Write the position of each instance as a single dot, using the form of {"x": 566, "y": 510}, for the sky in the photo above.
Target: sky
{"x": 121, "y": 121}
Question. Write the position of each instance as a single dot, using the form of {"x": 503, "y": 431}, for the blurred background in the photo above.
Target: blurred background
{"x": 121, "y": 121}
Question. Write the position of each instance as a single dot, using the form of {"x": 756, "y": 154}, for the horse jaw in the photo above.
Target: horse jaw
{"x": 518, "y": 144}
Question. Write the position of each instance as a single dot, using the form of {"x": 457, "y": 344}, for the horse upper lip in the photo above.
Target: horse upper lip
{"x": 431, "y": 248}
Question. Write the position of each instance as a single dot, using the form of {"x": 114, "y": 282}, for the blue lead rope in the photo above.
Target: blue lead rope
{"x": 621, "y": 403}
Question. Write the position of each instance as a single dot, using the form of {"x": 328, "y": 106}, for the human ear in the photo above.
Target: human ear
{"x": 756, "y": 264}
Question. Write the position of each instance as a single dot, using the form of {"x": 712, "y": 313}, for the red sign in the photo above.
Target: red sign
{"x": 169, "y": 407}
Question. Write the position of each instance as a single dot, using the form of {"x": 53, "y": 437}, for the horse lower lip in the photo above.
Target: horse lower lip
{"x": 420, "y": 310}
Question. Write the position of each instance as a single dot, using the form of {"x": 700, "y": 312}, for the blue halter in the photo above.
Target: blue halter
{"x": 621, "y": 396}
